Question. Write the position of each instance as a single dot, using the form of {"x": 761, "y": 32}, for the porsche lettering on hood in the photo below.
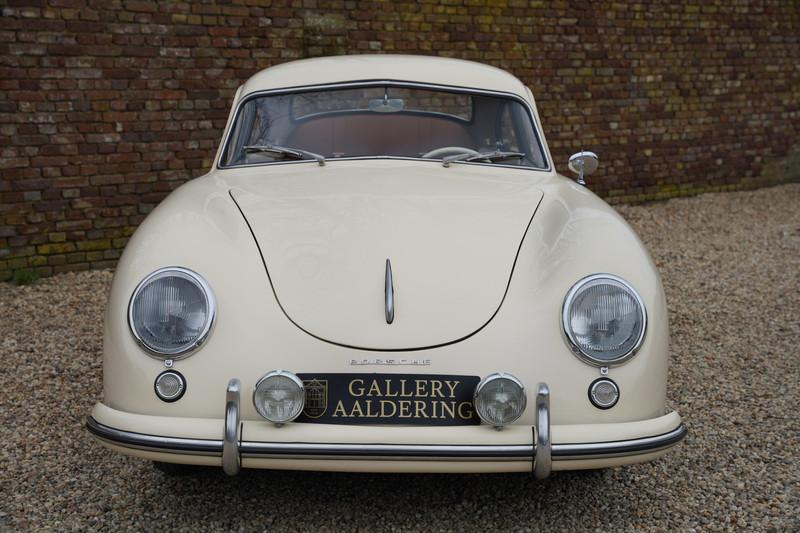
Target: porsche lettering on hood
{"x": 325, "y": 234}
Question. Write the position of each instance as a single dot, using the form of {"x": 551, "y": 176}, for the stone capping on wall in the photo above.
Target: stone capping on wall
{"x": 105, "y": 107}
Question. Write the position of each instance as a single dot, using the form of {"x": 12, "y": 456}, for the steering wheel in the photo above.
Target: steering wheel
{"x": 441, "y": 153}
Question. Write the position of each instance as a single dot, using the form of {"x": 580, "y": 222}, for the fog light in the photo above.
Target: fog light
{"x": 279, "y": 396}
{"x": 500, "y": 399}
{"x": 170, "y": 386}
{"x": 603, "y": 393}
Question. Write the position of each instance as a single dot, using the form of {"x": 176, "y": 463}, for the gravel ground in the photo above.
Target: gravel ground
{"x": 730, "y": 265}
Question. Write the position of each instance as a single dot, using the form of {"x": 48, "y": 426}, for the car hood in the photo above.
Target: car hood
{"x": 325, "y": 233}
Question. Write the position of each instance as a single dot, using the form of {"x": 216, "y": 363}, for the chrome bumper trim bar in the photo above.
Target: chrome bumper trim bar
{"x": 156, "y": 443}
{"x": 619, "y": 448}
{"x": 543, "y": 462}
{"x": 308, "y": 450}
{"x": 232, "y": 434}
{"x": 410, "y": 452}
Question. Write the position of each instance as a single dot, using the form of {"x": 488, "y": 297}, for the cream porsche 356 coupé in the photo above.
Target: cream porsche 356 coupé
{"x": 383, "y": 272}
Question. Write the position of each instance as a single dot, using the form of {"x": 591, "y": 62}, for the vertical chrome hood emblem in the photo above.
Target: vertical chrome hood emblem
{"x": 388, "y": 290}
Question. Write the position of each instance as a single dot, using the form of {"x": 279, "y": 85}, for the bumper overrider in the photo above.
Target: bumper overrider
{"x": 540, "y": 453}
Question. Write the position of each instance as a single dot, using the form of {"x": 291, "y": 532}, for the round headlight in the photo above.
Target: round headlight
{"x": 279, "y": 396}
{"x": 604, "y": 319}
{"x": 171, "y": 312}
{"x": 500, "y": 399}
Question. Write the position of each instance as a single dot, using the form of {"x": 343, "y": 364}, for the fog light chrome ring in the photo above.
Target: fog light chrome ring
{"x": 478, "y": 400}
{"x": 170, "y": 386}
{"x": 262, "y": 384}
{"x": 599, "y": 392}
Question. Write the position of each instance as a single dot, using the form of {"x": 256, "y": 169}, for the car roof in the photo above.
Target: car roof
{"x": 394, "y": 67}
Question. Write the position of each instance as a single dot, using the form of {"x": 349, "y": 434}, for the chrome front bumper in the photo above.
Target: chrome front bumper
{"x": 232, "y": 448}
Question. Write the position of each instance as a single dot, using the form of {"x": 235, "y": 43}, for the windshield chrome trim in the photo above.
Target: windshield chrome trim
{"x": 539, "y": 134}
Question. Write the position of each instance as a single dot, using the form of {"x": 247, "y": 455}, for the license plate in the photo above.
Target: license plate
{"x": 413, "y": 399}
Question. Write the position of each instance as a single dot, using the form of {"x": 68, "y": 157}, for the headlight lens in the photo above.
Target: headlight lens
{"x": 500, "y": 399}
{"x": 604, "y": 319}
{"x": 171, "y": 312}
{"x": 279, "y": 396}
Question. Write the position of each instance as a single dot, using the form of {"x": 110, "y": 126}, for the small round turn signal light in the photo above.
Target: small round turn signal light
{"x": 603, "y": 393}
{"x": 170, "y": 385}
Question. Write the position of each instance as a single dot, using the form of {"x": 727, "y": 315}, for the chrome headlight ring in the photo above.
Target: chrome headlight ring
{"x": 570, "y": 335}
{"x": 188, "y": 348}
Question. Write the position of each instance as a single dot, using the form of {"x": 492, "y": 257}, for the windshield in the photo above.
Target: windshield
{"x": 383, "y": 121}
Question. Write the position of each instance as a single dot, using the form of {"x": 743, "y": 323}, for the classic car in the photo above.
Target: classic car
{"x": 384, "y": 272}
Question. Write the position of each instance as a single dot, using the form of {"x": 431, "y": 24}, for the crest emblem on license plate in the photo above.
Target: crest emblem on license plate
{"x": 316, "y": 397}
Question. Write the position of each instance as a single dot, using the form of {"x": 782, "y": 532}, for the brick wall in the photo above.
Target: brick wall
{"x": 106, "y": 106}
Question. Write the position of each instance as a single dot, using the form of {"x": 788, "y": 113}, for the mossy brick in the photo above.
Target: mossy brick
{"x": 100, "y": 244}
{"x": 17, "y": 262}
{"x": 56, "y": 260}
{"x": 55, "y": 248}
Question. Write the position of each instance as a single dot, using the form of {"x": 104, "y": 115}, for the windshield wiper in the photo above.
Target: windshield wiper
{"x": 295, "y": 153}
{"x": 497, "y": 155}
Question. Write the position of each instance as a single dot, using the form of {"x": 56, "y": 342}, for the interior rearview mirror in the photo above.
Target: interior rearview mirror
{"x": 386, "y": 105}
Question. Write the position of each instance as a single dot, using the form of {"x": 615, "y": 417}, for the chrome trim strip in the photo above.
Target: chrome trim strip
{"x": 306, "y": 450}
{"x": 620, "y": 448}
{"x": 388, "y": 289}
{"x": 154, "y": 442}
{"x": 507, "y": 452}
{"x": 543, "y": 462}
{"x": 232, "y": 433}
{"x": 423, "y": 452}
{"x": 539, "y": 132}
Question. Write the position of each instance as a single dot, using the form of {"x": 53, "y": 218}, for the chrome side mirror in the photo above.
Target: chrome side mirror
{"x": 583, "y": 164}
